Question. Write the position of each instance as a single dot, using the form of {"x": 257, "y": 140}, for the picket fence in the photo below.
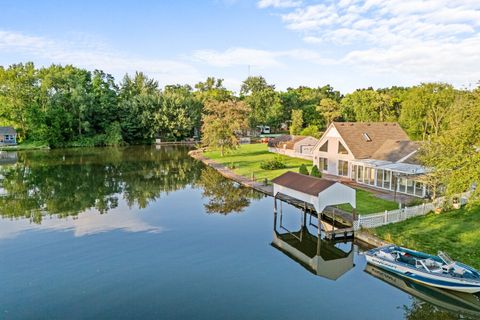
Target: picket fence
{"x": 383, "y": 218}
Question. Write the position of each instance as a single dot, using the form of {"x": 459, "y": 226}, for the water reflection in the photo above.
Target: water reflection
{"x": 224, "y": 196}
{"x": 70, "y": 181}
{"x": 328, "y": 259}
{"x": 442, "y": 304}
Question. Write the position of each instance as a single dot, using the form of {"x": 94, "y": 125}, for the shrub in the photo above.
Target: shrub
{"x": 312, "y": 130}
{"x": 273, "y": 164}
{"x": 315, "y": 172}
{"x": 303, "y": 169}
{"x": 113, "y": 135}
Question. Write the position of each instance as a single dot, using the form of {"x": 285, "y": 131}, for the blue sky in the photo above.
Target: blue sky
{"x": 347, "y": 43}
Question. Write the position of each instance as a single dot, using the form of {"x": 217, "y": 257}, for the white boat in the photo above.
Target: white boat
{"x": 437, "y": 271}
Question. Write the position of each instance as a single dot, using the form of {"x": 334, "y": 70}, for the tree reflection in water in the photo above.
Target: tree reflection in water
{"x": 224, "y": 196}
{"x": 66, "y": 182}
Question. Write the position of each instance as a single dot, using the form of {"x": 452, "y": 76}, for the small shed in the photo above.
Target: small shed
{"x": 305, "y": 145}
{"x": 8, "y": 136}
{"x": 318, "y": 192}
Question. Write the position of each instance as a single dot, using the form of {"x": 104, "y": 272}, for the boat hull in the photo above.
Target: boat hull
{"x": 425, "y": 278}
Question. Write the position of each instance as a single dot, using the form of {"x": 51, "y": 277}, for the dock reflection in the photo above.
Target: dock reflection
{"x": 439, "y": 302}
{"x": 325, "y": 258}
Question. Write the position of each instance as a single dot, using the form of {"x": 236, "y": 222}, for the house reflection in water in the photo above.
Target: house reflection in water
{"x": 321, "y": 257}
{"x": 8, "y": 157}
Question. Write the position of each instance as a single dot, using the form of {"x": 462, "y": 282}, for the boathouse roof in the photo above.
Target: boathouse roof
{"x": 303, "y": 183}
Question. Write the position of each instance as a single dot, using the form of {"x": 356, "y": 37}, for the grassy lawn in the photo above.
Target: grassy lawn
{"x": 247, "y": 160}
{"x": 27, "y": 145}
{"x": 368, "y": 203}
{"x": 456, "y": 232}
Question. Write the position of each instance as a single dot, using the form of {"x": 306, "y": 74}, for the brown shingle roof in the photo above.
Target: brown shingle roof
{"x": 303, "y": 183}
{"x": 395, "y": 150}
{"x": 291, "y": 143}
{"x": 379, "y": 132}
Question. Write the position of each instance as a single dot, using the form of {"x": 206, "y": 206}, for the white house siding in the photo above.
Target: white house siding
{"x": 332, "y": 155}
{"x": 313, "y": 200}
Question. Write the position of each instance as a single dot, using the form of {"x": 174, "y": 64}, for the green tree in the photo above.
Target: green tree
{"x": 303, "y": 169}
{"x": 425, "y": 109}
{"x": 367, "y": 105}
{"x": 297, "y": 122}
{"x": 263, "y": 101}
{"x": 330, "y": 110}
{"x": 311, "y": 130}
{"x": 19, "y": 97}
{"x": 454, "y": 154}
{"x": 222, "y": 121}
{"x": 315, "y": 172}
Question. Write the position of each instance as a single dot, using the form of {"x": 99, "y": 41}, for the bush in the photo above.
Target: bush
{"x": 113, "y": 135}
{"x": 312, "y": 130}
{"x": 303, "y": 169}
{"x": 273, "y": 164}
{"x": 315, "y": 172}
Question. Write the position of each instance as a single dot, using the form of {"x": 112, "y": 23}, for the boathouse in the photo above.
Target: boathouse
{"x": 319, "y": 193}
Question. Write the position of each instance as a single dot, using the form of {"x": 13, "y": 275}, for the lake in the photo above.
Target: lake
{"x": 149, "y": 233}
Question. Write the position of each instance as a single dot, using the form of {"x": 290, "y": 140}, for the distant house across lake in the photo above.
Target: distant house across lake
{"x": 8, "y": 136}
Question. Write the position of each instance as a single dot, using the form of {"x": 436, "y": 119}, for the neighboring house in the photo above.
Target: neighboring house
{"x": 377, "y": 154}
{"x": 293, "y": 146}
{"x": 8, "y": 136}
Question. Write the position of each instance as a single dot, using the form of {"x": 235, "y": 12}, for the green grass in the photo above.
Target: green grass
{"x": 457, "y": 232}
{"x": 368, "y": 203}
{"x": 27, "y": 145}
{"x": 247, "y": 159}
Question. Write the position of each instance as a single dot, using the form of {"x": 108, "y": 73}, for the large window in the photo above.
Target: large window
{"x": 380, "y": 178}
{"x": 418, "y": 189}
{"x": 341, "y": 148}
{"x": 343, "y": 168}
{"x": 402, "y": 184}
{"x": 323, "y": 164}
{"x": 359, "y": 173}
{"x": 324, "y": 147}
{"x": 410, "y": 186}
{"x": 387, "y": 177}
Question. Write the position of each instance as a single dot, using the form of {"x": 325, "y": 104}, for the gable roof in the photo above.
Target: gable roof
{"x": 363, "y": 139}
{"x": 7, "y": 130}
{"x": 291, "y": 143}
{"x": 303, "y": 183}
{"x": 396, "y": 150}
{"x": 308, "y": 140}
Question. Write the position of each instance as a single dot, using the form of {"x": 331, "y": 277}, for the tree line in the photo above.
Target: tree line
{"x": 66, "y": 105}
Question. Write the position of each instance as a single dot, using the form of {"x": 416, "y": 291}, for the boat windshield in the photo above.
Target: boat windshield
{"x": 445, "y": 258}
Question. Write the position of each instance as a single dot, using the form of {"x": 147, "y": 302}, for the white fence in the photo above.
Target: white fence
{"x": 380, "y": 219}
{"x": 383, "y": 218}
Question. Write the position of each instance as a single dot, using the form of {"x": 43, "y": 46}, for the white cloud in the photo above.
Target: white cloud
{"x": 434, "y": 40}
{"x": 86, "y": 223}
{"x": 255, "y": 57}
{"x": 279, "y": 3}
{"x": 94, "y": 55}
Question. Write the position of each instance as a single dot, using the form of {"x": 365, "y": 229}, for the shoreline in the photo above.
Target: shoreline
{"x": 197, "y": 154}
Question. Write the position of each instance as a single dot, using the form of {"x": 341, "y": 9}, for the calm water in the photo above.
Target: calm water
{"x": 152, "y": 234}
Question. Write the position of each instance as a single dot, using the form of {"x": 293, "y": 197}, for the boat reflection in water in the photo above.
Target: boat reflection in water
{"x": 321, "y": 257}
{"x": 468, "y": 305}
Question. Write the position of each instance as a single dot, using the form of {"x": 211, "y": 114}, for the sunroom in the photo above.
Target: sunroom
{"x": 399, "y": 177}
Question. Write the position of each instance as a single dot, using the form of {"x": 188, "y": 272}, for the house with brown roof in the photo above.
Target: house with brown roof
{"x": 377, "y": 154}
{"x": 293, "y": 146}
